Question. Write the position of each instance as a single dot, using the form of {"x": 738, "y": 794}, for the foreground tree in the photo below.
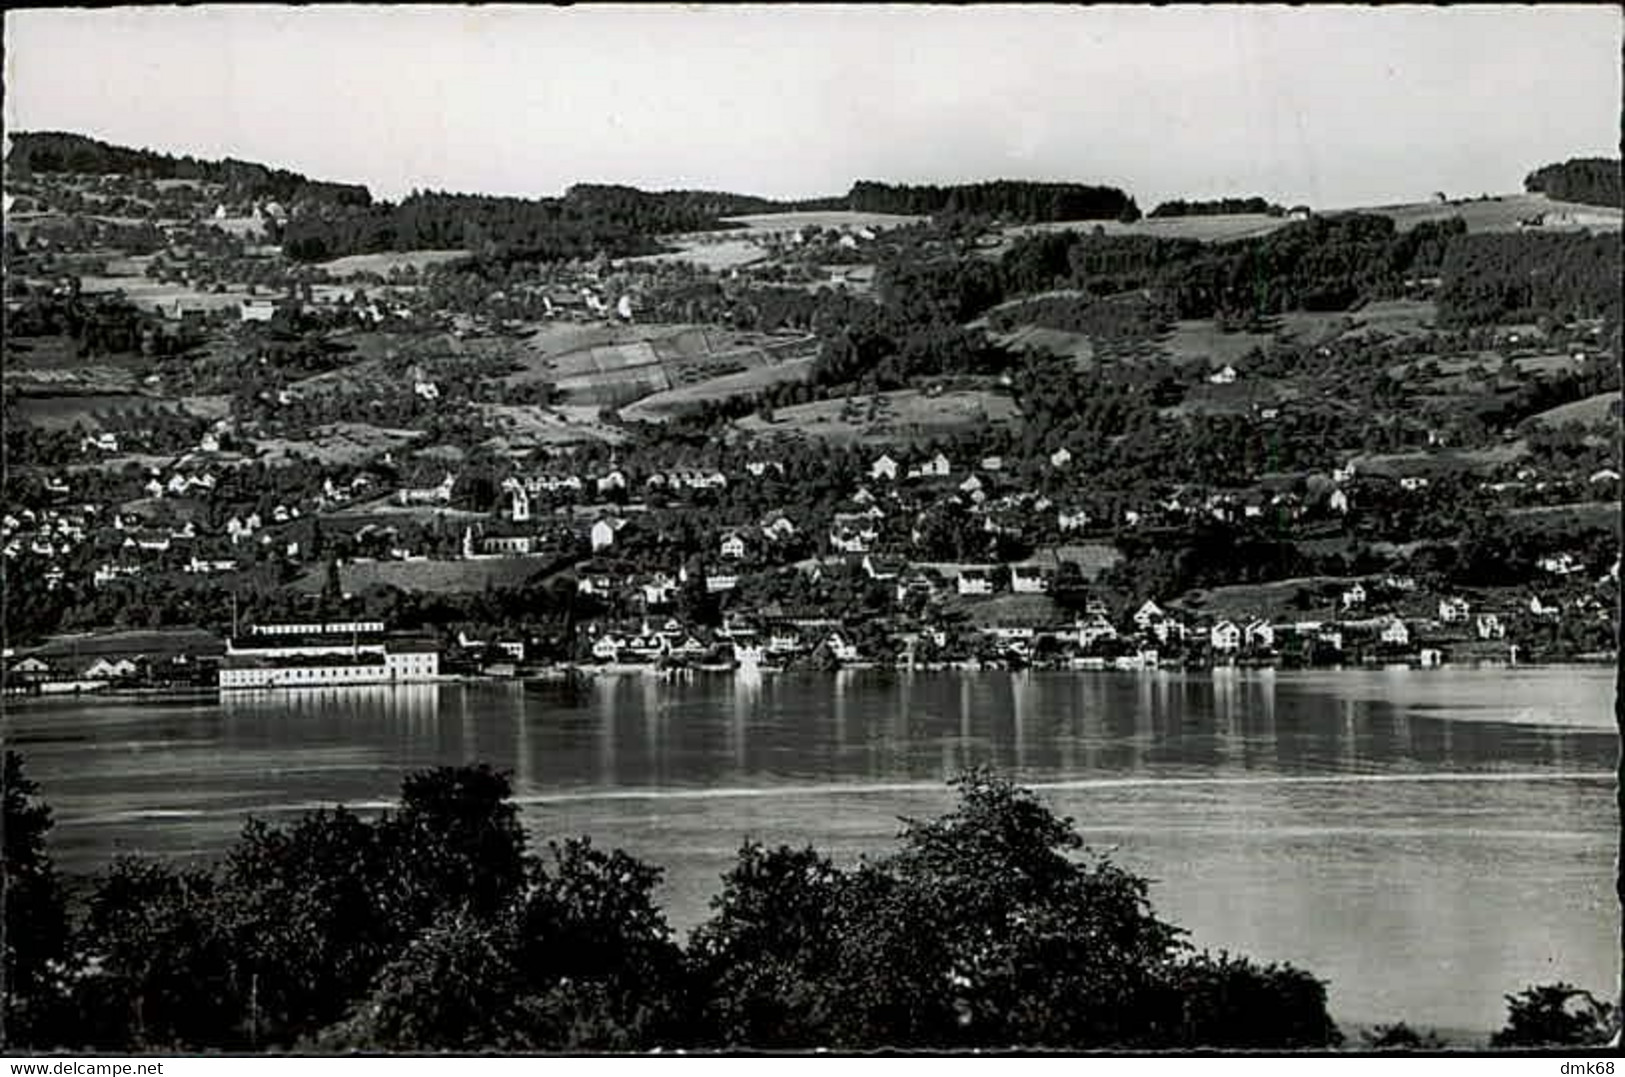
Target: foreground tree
{"x": 454, "y": 988}
{"x": 1231, "y": 1002}
{"x": 1560, "y": 1014}
{"x": 992, "y": 926}
{"x": 595, "y": 950}
{"x": 765, "y": 960}
{"x": 34, "y": 929}
{"x": 157, "y": 970}
{"x": 303, "y": 909}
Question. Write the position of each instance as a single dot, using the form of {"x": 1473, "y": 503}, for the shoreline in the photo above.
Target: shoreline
{"x": 568, "y": 674}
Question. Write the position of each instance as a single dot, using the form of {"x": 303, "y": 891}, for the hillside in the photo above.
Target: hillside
{"x": 64, "y": 152}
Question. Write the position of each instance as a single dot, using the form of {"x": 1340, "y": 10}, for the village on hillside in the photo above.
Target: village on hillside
{"x": 800, "y": 439}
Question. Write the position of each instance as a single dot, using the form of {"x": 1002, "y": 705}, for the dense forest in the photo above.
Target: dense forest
{"x": 1524, "y": 276}
{"x": 1009, "y": 200}
{"x": 60, "y": 151}
{"x": 1214, "y": 207}
{"x": 1592, "y": 181}
{"x": 590, "y": 219}
{"x": 1325, "y": 263}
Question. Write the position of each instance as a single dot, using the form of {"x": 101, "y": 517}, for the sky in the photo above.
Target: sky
{"x": 1331, "y": 106}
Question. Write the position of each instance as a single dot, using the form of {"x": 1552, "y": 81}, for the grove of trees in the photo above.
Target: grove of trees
{"x": 1593, "y": 181}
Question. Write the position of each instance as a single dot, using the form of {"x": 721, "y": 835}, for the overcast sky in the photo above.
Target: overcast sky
{"x": 1331, "y": 106}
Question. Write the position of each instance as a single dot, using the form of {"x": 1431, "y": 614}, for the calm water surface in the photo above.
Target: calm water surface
{"x": 1426, "y": 840}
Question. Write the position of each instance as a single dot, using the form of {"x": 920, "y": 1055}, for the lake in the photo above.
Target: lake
{"x": 1427, "y": 840}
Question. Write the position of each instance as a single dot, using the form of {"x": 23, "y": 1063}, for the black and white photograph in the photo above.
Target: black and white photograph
{"x": 711, "y": 529}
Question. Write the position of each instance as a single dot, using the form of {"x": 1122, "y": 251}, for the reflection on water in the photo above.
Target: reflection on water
{"x": 1402, "y": 833}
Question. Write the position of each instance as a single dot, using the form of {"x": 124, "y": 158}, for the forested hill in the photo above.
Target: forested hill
{"x": 676, "y": 211}
{"x": 1591, "y": 181}
{"x": 589, "y": 219}
{"x": 1012, "y": 200}
{"x": 1178, "y": 207}
{"x": 61, "y": 151}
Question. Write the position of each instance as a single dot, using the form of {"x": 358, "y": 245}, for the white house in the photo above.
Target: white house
{"x": 848, "y": 540}
{"x": 607, "y": 648}
{"x": 1395, "y": 632}
{"x": 1029, "y": 580}
{"x": 1060, "y": 457}
{"x": 778, "y": 529}
{"x": 659, "y": 590}
{"x": 1490, "y": 627}
{"x": 604, "y": 532}
{"x": 258, "y": 309}
{"x": 1225, "y": 375}
{"x": 1225, "y": 636}
{"x": 883, "y": 468}
{"x": 518, "y": 500}
{"x": 1453, "y": 610}
{"x": 842, "y": 648}
{"x": 1541, "y": 609}
{"x": 1259, "y": 635}
{"x": 1338, "y": 502}
{"x": 106, "y": 669}
{"x": 1076, "y": 520}
{"x": 1096, "y": 627}
{"x": 733, "y": 545}
{"x": 1168, "y": 629}
{"x": 881, "y": 570}
{"x": 430, "y": 495}
{"x": 1412, "y": 483}
{"x": 1563, "y": 564}
{"x": 615, "y": 480}
{"x": 1148, "y": 613}
{"x": 1354, "y": 596}
{"x": 974, "y": 581}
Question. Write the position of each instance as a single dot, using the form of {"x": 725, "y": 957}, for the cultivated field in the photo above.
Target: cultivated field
{"x": 1215, "y": 229}
{"x": 154, "y": 643}
{"x": 659, "y": 407}
{"x": 1396, "y": 465}
{"x": 1454, "y": 371}
{"x": 1272, "y": 600}
{"x": 1569, "y": 518}
{"x": 336, "y": 443}
{"x": 528, "y": 426}
{"x": 1195, "y": 341}
{"x": 838, "y": 219}
{"x": 1092, "y": 558}
{"x": 1501, "y": 214}
{"x": 1005, "y": 609}
{"x": 1057, "y": 342}
{"x": 63, "y": 412}
{"x": 618, "y": 365}
{"x": 428, "y": 576}
{"x": 717, "y": 256}
{"x": 1602, "y": 408}
{"x": 384, "y": 261}
{"x": 152, "y": 294}
{"x": 901, "y": 416}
